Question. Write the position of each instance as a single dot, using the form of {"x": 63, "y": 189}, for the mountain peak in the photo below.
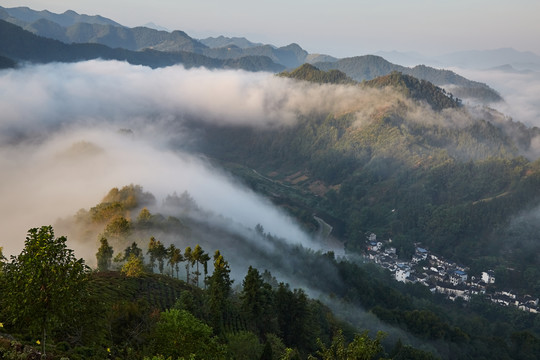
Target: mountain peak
{"x": 417, "y": 89}
{"x": 308, "y": 72}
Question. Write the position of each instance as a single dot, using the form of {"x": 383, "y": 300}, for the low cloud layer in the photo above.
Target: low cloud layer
{"x": 60, "y": 149}
{"x": 520, "y": 90}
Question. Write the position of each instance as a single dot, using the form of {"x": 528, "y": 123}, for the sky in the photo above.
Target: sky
{"x": 340, "y": 28}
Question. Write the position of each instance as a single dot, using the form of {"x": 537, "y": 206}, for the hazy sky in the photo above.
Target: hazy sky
{"x": 340, "y": 27}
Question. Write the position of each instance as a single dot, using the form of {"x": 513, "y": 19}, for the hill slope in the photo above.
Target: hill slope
{"x": 400, "y": 170}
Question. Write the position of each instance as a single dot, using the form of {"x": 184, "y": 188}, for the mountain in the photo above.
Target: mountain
{"x": 110, "y": 34}
{"x": 447, "y": 178}
{"x": 154, "y": 26}
{"x": 20, "y": 44}
{"x": 289, "y": 56}
{"x": 420, "y": 90}
{"x": 484, "y": 59}
{"x": 368, "y": 67}
{"x": 309, "y": 72}
{"x": 6, "y": 63}
{"x": 409, "y": 58}
{"x": 223, "y": 42}
{"x": 68, "y": 18}
{"x": 314, "y": 58}
{"x": 71, "y": 27}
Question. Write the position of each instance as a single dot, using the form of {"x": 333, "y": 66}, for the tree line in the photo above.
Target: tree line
{"x": 52, "y": 299}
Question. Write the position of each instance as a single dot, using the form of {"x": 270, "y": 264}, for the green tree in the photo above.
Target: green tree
{"x": 133, "y": 249}
{"x": 245, "y": 345}
{"x": 152, "y": 246}
{"x": 188, "y": 258}
{"x": 42, "y": 284}
{"x": 104, "y": 255}
{"x": 174, "y": 256}
{"x": 219, "y": 291}
{"x": 256, "y": 299}
{"x": 118, "y": 227}
{"x": 361, "y": 348}
{"x": 161, "y": 255}
{"x": 178, "y": 334}
{"x": 2, "y": 258}
{"x": 134, "y": 266}
{"x": 205, "y": 258}
{"x": 197, "y": 256}
{"x": 144, "y": 218}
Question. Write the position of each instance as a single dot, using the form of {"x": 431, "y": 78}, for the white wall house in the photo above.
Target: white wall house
{"x": 402, "y": 272}
{"x": 488, "y": 277}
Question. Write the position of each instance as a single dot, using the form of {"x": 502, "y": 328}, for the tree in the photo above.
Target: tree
{"x": 256, "y": 299}
{"x": 219, "y": 290}
{"x": 161, "y": 254}
{"x": 42, "y": 284}
{"x": 174, "y": 255}
{"x": 361, "y": 348}
{"x": 152, "y": 252}
{"x": 2, "y": 258}
{"x": 144, "y": 218}
{"x": 205, "y": 258}
{"x": 133, "y": 249}
{"x": 118, "y": 227}
{"x": 178, "y": 334}
{"x": 197, "y": 256}
{"x": 245, "y": 345}
{"x": 134, "y": 267}
{"x": 188, "y": 258}
{"x": 104, "y": 255}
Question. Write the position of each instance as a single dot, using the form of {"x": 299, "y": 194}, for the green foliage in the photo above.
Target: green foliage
{"x": 179, "y": 334}
{"x": 416, "y": 89}
{"x": 257, "y": 302}
{"x": 104, "y": 255}
{"x": 134, "y": 266}
{"x": 219, "y": 291}
{"x": 310, "y": 73}
{"x": 361, "y": 348}
{"x": 244, "y": 345}
{"x": 118, "y": 227}
{"x": 41, "y": 285}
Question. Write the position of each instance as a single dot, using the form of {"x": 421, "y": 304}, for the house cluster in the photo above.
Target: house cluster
{"x": 442, "y": 276}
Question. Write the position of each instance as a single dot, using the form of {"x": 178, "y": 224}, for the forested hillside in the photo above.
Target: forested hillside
{"x": 368, "y": 67}
{"x": 147, "y": 290}
{"x": 440, "y": 175}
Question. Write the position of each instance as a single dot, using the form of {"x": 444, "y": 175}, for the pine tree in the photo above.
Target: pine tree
{"x": 104, "y": 255}
{"x": 219, "y": 290}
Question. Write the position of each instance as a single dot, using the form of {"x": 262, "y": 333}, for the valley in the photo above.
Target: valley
{"x": 171, "y": 196}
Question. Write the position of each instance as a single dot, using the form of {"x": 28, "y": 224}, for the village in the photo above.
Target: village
{"x": 443, "y": 276}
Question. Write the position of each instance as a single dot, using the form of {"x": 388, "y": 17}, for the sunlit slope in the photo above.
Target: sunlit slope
{"x": 405, "y": 160}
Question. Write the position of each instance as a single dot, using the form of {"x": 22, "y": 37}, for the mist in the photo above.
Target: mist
{"x": 519, "y": 89}
{"x": 60, "y": 149}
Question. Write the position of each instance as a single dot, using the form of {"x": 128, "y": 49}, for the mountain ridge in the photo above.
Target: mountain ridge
{"x": 22, "y": 45}
{"x": 368, "y": 67}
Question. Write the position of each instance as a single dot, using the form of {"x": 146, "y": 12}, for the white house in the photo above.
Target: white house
{"x": 488, "y": 277}
{"x": 403, "y": 271}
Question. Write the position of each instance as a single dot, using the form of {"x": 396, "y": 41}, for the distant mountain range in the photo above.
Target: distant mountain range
{"x": 148, "y": 46}
{"x": 475, "y": 59}
{"x": 21, "y": 45}
{"x": 25, "y": 15}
